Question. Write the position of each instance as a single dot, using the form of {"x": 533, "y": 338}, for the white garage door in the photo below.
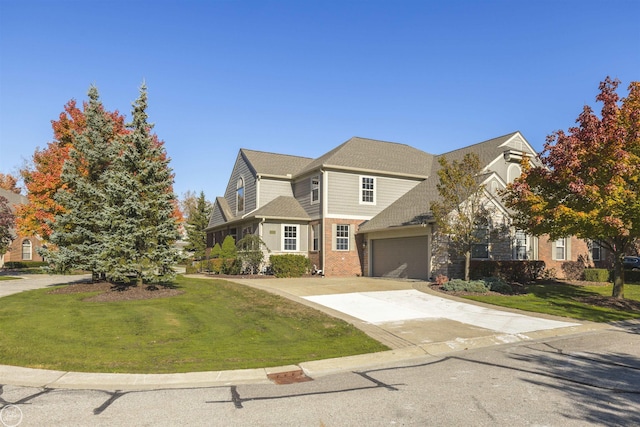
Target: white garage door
{"x": 402, "y": 257}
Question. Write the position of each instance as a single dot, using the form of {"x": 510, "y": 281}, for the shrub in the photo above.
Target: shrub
{"x": 191, "y": 269}
{"x": 573, "y": 270}
{"x": 459, "y": 285}
{"x": 24, "y": 264}
{"x": 441, "y": 279}
{"x": 596, "y": 274}
{"x": 496, "y": 284}
{"x": 549, "y": 274}
{"x": 231, "y": 266}
{"x": 216, "y": 250}
{"x": 290, "y": 265}
{"x": 632, "y": 276}
{"x": 511, "y": 270}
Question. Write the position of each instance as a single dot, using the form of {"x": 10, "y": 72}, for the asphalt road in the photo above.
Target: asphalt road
{"x": 587, "y": 379}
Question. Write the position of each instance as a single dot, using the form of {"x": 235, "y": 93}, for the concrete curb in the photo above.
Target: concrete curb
{"x": 42, "y": 378}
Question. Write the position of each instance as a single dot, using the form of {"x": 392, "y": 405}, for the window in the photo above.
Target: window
{"x": 561, "y": 249}
{"x": 367, "y": 190}
{"x": 480, "y": 249}
{"x": 595, "y": 251}
{"x": 247, "y": 230}
{"x": 240, "y": 195}
{"x": 290, "y": 237}
{"x": 315, "y": 189}
{"x": 315, "y": 236}
{"x": 26, "y": 250}
{"x": 342, "y": 237}
{"x": 521, "y": 245}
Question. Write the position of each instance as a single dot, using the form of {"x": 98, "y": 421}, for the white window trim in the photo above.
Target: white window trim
{"x": 26, "y": 244}
{"x": 241, "y": 184}
{"x": 564, "y": 249}
{"x": 297, "y": 227}
{"x": 315, "y": 237}
{"x": 311, "y": 180}
{"x": 348, "y": 237}
{"x": 361, "y": 191}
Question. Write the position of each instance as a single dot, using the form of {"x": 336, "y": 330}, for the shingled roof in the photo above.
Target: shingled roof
{"x": 487, "y": 151}
{"x": 282, "y": 207}
{"x": 273, "y": 164}
{"x": 375, "y": 156}
{"x": 413, "y": 208}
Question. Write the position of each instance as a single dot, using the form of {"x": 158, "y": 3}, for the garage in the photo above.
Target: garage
{"x": 406, "y": 257}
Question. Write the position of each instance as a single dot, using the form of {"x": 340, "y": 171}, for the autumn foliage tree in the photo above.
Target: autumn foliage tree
{"x": 9, "y": 182}
{"x": 42, "y": 178}
{"x": 462, "y": 213}
{"x": 589, "y": 181}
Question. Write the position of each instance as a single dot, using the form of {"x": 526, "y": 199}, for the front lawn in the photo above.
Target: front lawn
{"x": 8, "y": 278}
{"x": 211, "y": 325}
{"x": 584, "y": 302}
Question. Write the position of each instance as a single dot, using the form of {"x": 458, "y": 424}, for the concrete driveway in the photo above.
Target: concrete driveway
{"x": 405, "y": 313}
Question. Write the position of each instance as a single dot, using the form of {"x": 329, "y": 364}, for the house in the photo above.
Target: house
{"x": 23, "y": 248}
{"x": 363, "y": 208}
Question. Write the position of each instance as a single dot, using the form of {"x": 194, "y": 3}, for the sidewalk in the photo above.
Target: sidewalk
{"x": 413, "y": 321}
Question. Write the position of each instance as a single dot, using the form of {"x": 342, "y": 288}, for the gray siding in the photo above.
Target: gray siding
{"x": 272, "y": 237}
{"x": 270, "y": 189}
{"x": 302, "y": 193}
{"x": 216, "y": 217}
{"x": 344, "y": 193}
{"x": 241, "y": 169}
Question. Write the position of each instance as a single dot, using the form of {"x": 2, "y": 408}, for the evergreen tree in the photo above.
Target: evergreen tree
{"x": 77, "y": 232}
{"x": 142, "y": 228}
{"x": 197, "y": 221}
{"x": 7, "y": 222}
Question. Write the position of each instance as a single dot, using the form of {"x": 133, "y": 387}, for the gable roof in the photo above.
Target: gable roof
{"x": 487, "y": 150}
{"x": 275, "y": 165}
{"x": 13, "y": 198}
{"x": 370, "y": 155}
{"x": 414, "y": 208}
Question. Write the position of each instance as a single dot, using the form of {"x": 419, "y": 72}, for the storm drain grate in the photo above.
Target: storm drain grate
{"x": 289, "y": 377}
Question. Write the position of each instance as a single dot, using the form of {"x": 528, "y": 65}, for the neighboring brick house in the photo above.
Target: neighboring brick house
{"x": 363, "y": 208}
{"x": 23, "y": 248}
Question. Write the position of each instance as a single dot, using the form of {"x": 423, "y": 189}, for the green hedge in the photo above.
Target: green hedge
{"x": 511, "y": 271}
{"x": 631, "y": 276}
{"x": 24, "y": 264}
{"x": 290, "y": 265}
{"x": 596, "y": 274}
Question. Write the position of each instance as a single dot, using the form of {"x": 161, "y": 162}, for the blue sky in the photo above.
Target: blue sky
{"x": 301, "y": 77}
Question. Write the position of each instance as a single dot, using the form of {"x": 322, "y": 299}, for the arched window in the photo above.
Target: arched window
{"x": 513, "y": 172}
{"x": 240, "y": 195}
{"x": 26, "y": 250}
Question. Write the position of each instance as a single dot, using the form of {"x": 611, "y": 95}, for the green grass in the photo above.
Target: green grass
{"x": 562, "y": 300}
{"x": 214, "y": 325}
{"x": 8, "y": 278}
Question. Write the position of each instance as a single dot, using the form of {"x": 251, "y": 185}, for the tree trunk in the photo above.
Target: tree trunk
{"x": 618, "y": 276}
{"x": 467, "y": 264}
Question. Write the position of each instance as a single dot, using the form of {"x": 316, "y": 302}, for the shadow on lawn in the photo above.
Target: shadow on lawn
{"x": 582, "y": 303}
{"x": 605, "y": 388}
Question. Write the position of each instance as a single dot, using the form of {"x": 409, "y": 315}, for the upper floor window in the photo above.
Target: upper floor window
{"x": 26, "y": 250}
{"x": 240, "y": 195}
{"x": 561, "y": 249}
{"x": 367, "y": 190}
{"x": 315, "y": 189}
{"x": 290, "y": 234}
{"x": 342, "y": 237}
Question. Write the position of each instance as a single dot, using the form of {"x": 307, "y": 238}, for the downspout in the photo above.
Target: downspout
{"x": 323, "y": 200}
